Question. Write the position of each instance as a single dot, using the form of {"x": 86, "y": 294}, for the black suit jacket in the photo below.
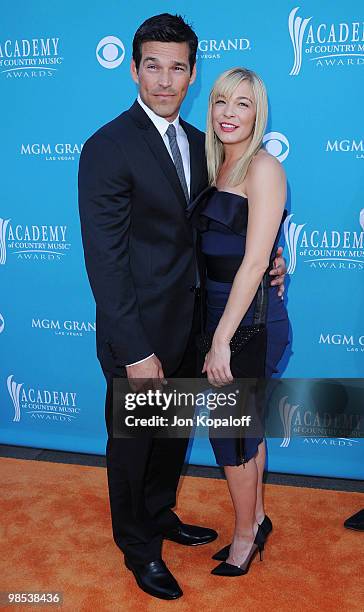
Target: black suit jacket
{"x": 138, "y": 241}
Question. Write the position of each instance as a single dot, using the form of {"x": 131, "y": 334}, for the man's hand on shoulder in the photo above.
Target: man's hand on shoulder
{"x": 148, "y": 372}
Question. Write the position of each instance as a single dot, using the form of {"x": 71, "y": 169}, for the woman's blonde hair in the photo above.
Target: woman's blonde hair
{"x": 224, "y": 87}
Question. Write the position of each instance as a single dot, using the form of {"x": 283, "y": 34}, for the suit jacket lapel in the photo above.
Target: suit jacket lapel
{"x": 195, "y": 161}
{"x": 158, "y": 149}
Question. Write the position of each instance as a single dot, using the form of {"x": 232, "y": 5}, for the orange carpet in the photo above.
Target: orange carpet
{"x": 56, "y": 536}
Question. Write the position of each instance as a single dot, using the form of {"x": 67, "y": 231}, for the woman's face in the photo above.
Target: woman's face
{"x": 233, "y": 119}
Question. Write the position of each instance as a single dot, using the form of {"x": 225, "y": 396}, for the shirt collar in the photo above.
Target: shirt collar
{"x": 160, "y": 123}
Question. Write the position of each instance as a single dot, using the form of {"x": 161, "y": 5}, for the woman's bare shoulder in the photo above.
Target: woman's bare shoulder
{"x": 265, "y": 166}
{"x": 265, "y": 161}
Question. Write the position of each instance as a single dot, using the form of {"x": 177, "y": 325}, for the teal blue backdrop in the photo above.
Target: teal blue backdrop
{"x": 64, "y": 71}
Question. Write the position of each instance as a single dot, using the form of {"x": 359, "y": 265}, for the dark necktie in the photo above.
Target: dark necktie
{"x": 177, "y": 158}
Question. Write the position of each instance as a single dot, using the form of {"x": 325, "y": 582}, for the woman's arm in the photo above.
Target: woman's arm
{"x": 266, "y": 190}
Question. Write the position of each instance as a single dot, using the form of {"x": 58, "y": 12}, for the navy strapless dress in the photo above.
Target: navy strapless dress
{"x": 221, "y": 219}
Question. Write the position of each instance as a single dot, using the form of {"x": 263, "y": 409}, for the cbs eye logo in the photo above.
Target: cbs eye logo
{"x": 277, "y": 144}
{"x": 110, "y": 52}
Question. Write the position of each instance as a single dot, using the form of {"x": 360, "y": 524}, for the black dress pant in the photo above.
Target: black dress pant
{"x": 143, "y": 474}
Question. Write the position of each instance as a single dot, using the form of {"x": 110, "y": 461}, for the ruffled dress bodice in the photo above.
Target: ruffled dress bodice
{"x": 221, "y": 218}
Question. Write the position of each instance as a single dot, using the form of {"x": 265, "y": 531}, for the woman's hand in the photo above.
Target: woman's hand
{"x": 217, "y": 364}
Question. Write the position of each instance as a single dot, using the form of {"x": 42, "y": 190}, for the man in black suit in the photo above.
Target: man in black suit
{"x": 136, "y": 176}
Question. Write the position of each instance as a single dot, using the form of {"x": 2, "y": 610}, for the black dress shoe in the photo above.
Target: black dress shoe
{"x": 356, "y": 521}
{"x": 191, "y": 535}
{"x": 155, "y": 579}
{"x": 264, "y": 530}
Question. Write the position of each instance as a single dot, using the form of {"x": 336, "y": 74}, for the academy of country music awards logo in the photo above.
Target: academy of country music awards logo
{"x": 30, "y": 57}
{"x": 325, "y": 44}
{"x": 33, "y": 242}
{"x": 313, "y": 427}
{"x": 64, "y": 327}
{"x": 324, "y": 249}
{"x": 61, "y": 151}
{"x": 41, "y": 404}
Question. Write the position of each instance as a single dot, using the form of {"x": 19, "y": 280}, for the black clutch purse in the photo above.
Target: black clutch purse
{"x": 249, "y": 342}
{"x": 240, "y": 339}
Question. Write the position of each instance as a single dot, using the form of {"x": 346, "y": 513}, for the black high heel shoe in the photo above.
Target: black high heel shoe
{"x": 266, "y": 526}
{"x": 264, "y": 530}
{"x": 227, "y": 569}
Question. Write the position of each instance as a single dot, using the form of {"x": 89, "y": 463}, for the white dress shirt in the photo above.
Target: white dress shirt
{"x": 162, "y": 125}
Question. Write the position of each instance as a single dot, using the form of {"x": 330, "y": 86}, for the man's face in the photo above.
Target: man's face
{"x": 164, "y": 76}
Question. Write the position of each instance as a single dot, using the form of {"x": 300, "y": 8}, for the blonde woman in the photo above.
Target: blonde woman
{"x": 238, "y": 219}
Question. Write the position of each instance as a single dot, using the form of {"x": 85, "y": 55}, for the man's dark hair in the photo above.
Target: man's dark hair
{"x": 165, "y": 28}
